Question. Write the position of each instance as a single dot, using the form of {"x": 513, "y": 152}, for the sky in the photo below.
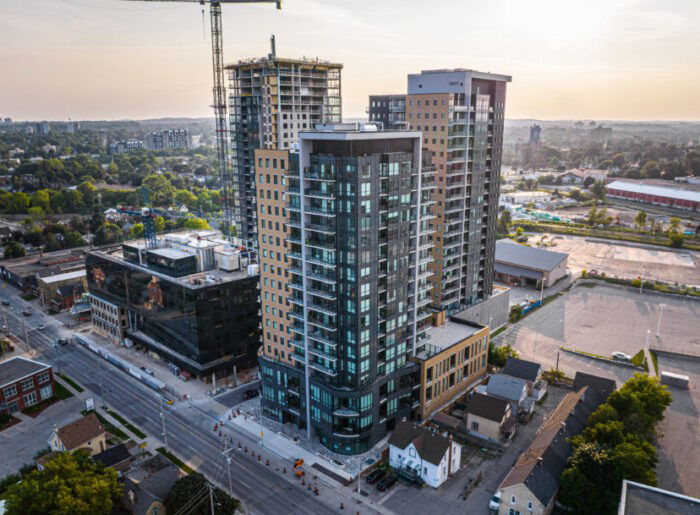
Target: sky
{"x": 569, "y": 59}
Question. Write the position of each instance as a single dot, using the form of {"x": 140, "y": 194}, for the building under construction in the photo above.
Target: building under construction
{"x": 189, "y": 300}
{"x": 270, "y": 100}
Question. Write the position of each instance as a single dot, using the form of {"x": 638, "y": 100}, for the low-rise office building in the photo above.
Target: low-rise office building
{"x": 190, "y": 299}
{"x": 453, "y": 358}
{"x": 24, "y": 383}
{"x": 521, "y": 265}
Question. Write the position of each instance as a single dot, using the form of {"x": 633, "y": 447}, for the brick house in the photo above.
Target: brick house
{"x": 24, "y": 383}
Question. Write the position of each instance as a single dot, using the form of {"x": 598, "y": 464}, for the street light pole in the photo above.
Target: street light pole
{"x": 162, "y": 424}
{"x": 661, "y": 312}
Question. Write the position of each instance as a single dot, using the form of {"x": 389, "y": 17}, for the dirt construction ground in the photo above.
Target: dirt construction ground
{"x": 628, "y": 260}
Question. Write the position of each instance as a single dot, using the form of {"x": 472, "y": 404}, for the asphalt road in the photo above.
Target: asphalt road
{"x": 189, "y": 429}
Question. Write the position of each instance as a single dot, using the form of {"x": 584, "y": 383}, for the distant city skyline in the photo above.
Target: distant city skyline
{"x": 595, "y": 59}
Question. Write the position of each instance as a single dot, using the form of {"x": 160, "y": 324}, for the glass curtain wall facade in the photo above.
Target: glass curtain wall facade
{"x": 360, "y": 234}
{"x": 202, "y": 329}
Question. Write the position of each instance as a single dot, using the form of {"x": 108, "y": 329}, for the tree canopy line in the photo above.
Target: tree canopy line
{"x": 632, "y": 159}
{"x": 618, "y": 443}
{"x": 89, "y": 204}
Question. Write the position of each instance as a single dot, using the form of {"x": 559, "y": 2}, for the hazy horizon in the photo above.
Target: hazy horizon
{"x": 109, "y": 60}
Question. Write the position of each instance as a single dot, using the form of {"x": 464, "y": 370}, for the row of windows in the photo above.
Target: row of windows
{"x": 274, "y": 165}
{"x": 25, "y": 385}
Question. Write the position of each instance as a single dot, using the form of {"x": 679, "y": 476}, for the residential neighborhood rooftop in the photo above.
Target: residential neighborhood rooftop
{"x": 431, "y": 446}
{"x": 490, "y": 408}
{"x": 507, "y": 387}
{"x": 601, "y": 385}
{"x": 77, "y": 433}
{"x": 522, "y": 369}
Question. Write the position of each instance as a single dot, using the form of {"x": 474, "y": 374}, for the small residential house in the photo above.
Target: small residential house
{"x": 117, "y": 457}
{"x": 509, "y": 388}
{"x": 601, "y": 385}
{"x": 532, "y": 484}
{"x": 147, "y": 485}
{"x": 417, "y": 453}
{"x": 85, "y": 433}
{"x": 528, "y": 371}
{"x": 490, "y": 418}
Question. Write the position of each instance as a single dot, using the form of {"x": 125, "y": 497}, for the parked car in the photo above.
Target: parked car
{"x": 386, "y": 483}
{"x": 63, "y": 341}
{"x": 621, "y": 356}
{"x": 147, "y": 371}
{"x": 375, "y": 476}
{"x": 27, "y": 313}
{"x": 495, "y": 502}
{"x": 41, "y": 327}
{"x": 5, "y": 303}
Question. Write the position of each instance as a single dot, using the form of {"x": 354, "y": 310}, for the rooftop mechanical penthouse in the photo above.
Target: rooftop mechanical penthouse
{"x": 190, "y": 301}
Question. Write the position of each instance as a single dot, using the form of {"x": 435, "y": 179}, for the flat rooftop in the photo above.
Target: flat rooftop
{"x": 647, "y": 500}
{"x": 511, "y": 253}
{"x": 445, "y": 336}
{"x": 63, "y": 277}
{"x": 171, "y": 253}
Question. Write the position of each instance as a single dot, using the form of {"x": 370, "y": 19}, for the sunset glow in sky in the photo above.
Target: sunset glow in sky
{"x": 570, "y": 59}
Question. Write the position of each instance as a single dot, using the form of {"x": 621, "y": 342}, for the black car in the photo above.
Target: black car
{"x": 63, "y": 341}
{"x": 375, "y": 476}
{"x": 386, "y": 483}
{"x": 5, "y": 303}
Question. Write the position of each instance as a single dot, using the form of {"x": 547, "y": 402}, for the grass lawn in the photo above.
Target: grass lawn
{"x": 75, "y": 385}
{"x": 61, "y": 391}
{"x": 175, "y": 460}
{"x": 127, "y": 425}
{"x": 639, "y": 360}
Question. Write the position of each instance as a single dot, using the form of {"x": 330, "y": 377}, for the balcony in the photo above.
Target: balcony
{"x": 324, "y": 194}
{"x": 321, "y": 338}
{"x": 326, "y": 310}
{"x": 319, "y": 211}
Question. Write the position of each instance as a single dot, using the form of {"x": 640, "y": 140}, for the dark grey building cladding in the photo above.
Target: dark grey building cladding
{"x": 353, "y": 213}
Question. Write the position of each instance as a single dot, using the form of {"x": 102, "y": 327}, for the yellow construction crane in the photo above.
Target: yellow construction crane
{"x": 220, "y": 102}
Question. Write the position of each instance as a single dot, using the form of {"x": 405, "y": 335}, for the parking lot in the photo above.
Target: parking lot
{"x": 601, "y": 320}
{"x": 628, "y": 260}
{"x": 679, "y": 446}
{"x": 449, "y": 498}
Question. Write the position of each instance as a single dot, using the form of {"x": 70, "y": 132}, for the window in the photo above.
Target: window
{"x": 475, "y": 426}
{"x": 529, "y": 505}
{"x": 46, "y": 392}
{"x": 29, "y": 399}
{"x": 512, "y": 499}
{"x": 43, "y": 377}
{"x": 10, "y": 391}
{"x": 27, "y": 384}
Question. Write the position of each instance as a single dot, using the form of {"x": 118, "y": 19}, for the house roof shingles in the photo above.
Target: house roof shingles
{"x": 76, "y": 433}
{"x": 522, "y": 369}
{"x": 491, "y": 408}
{"x": 603, "y": 386}
{"x": 541, "y": 465}
{"x": 430, "y": 446}
{"x": 113, "y": 455}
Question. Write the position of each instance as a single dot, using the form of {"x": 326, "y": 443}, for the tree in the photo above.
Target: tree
{"x": 675, "y": 239}
{"x": 499, "y": 355}
{"x": 73, "y": 239}
{"x": 161, "y": 191}
{"x": 590, "y": 470}
{"x": 598, "y": 190}
{"x": 640, "y": 221}
{"x": 107, "y": 233}
{"x": 588, "y": 182}
{"x": 185, "y": 197}
{"x": 504, "y": 222}
{"x": 41, "y": 199}
{"x": 14, "y": 249}
{"x": 674, "y": 224}
{"x": 69, "y": 484}
{"x": 89, "y": 193}
{"x": 19, "y": 203}
{"x": 136, "y": 231}
{"x": 195, "y": 223}
{"x": 592, "y": 215}
{"x": 190, "y": 486}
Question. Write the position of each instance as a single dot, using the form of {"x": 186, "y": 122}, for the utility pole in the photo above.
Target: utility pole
{"x": 102, "y": 385}
{"x": 26, "y": 337}
{"x": 162, "y": 423}
{"x": 211, "y": 498}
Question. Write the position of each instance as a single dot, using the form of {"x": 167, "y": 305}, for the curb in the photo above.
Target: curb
{"x": 600, "y": 358}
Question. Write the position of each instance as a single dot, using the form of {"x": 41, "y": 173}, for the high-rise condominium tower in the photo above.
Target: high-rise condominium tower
{"x": 271, "y": 99}
{"x": 345, "y": 301}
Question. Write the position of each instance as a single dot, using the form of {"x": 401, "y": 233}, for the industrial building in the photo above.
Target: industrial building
{"x": 686, "y": 199}
{"x": 271, "y": 99}
{"x": 341, "y": 327}
{"x": 521, "y": 265}
{"x": 189, "y": 300}
{"x": 58, "y": 292}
